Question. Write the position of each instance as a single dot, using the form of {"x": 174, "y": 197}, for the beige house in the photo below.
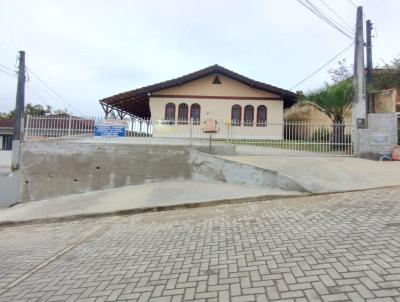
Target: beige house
{"x": 237, "y": 103}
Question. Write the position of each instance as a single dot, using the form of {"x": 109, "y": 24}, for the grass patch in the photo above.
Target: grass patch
{"x": 298, "y": 145}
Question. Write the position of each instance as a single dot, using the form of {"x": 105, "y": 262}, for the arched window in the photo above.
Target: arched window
{"x": 248, "y": 115}
{"x": 170, "y": 113}
{"x": 195, "y": 114}
{"x": 236, "y": 116}
{"x": 261, "y": 116}
{"x": 183, "y": 113}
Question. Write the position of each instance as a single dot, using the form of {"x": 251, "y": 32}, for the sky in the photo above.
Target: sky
{"x": 88, "y": 50}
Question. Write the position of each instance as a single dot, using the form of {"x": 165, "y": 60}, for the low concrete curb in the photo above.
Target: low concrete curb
{"x": 176, "y": 207}
{"x": 149, "y": 209}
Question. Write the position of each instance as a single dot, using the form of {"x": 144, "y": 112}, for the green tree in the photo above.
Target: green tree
{"x": 10, "y": 114}
{"x": 387, "y": 77}
{"x": 31, "y": 109}
{"x": 334, "y": 100}
{"x": 36, "y": 109}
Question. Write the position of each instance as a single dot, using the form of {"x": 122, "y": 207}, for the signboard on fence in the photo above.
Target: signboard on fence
{"x": 109, "y": 128}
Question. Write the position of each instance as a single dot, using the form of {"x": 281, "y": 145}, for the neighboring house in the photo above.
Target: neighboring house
{"x": 210, "y": 93}
{"x": 381, "y": 101}
{"x": 303, "y": 112}
{"x": 6, "y": 133}
{"x": 55, "y": 125}
{"x": 385, "y": 101}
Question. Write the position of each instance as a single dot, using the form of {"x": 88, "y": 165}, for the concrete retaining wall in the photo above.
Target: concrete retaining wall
{"x": 206, "y": 167}
{"x": 9, "y": 188}
{"x": 51, "y": 169}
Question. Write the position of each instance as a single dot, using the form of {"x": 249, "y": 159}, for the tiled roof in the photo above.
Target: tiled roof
{"x": 137, "y": 101}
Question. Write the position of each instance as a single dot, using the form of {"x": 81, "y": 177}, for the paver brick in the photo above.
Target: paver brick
{"x": 339, "y": 247}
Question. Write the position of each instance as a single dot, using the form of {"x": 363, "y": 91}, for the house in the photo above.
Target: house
{"x": 6, "y": 133}
{"x": 213, "y": 93}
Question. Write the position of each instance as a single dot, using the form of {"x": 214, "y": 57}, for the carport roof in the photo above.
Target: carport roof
{"x": 136, "y": 102}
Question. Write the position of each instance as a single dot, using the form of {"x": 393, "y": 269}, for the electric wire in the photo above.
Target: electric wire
{"x": 8, "y": 73}
{"x": 352, "y": 3}
{"x": 315, "y": 10}
{"x": 54, "y": 92}
{"x": 323, "y": 66}
{"x": 46, "y": 93}
{"x": 39, "y": 98}
{"x": 318, "y": 12}
{"x": 337, "y": 15}
{"x": 6, "y": 52}
{"x": 6, "y": 67}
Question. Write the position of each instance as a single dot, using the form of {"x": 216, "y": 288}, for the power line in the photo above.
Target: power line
{"x": 37, "y": 96}
{"x": 318, "y": 12}
{"x": 46, "y": 93}
{"x": 7, "y": 53}
{"x": 8, "y": 73}
{"x": 315, "y": 10}
{"x": 320, "y": 68}
{"x": 9, "y": 47}
{"x": 337, "y": 15}
{"x": 54, "y": 92}
{"x": 352, "y": 3}
{"x": 6, "y": 67}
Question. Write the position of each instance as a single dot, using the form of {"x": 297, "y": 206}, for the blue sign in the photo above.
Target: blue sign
{"x": 109, "y": 128}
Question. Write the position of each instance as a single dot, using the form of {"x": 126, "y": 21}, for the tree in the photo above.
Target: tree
{"x": 387, "y": 77}
{"x": 61, "y": 111}
{"x": 36, "y": 109}
{"x": 341, "y": 73}
{"x": 334, "y": 100}
{"x": 10, "y": 114}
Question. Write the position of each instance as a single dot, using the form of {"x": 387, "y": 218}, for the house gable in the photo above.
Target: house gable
{"x": 205, "y": 87}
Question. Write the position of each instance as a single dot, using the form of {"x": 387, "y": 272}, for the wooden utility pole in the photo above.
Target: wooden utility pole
{"x": 359, "y": 114}
{"x": 20, "y": 100}
{"x": 369, "y": 61}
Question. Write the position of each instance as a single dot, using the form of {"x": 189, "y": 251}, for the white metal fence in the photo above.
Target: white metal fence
{"x": 291, "y": 138}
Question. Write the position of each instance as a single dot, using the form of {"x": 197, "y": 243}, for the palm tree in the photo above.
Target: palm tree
{"x": 335, "y": 102}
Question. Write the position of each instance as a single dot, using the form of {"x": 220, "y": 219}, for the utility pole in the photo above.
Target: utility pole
{"x": 369, "y": 62}
{"x": 19, "y": 112}
{"x": 359, "y": 113}
{"x": 20, "y": 100}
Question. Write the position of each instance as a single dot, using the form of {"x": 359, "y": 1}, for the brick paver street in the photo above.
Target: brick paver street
{"x": 343, "y": 247}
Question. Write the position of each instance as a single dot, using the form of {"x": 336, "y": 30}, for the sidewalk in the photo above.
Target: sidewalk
{"x": 316, "y": 174}
{"x": 329, "y": 174}
{"x": 139, "y": 198}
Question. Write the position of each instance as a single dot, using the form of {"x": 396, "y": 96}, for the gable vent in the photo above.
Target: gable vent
{"x": 216, "y": 80}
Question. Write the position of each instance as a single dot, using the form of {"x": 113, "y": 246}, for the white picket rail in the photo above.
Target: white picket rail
{"x": 286, "y": 137}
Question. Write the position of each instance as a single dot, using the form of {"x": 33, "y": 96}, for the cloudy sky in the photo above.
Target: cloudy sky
{"x": 87, "y": 50}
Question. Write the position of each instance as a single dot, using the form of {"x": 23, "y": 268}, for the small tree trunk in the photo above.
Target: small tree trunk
{"x": 338, "y": 136}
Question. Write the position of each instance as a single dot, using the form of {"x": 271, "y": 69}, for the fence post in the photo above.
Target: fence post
{"x": 26, "y": 127}
{"x": 191, "y": 130}
{"x": 69, "y": 126}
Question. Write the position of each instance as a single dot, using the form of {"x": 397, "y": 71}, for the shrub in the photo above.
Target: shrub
{"x": 321, "y": 134}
